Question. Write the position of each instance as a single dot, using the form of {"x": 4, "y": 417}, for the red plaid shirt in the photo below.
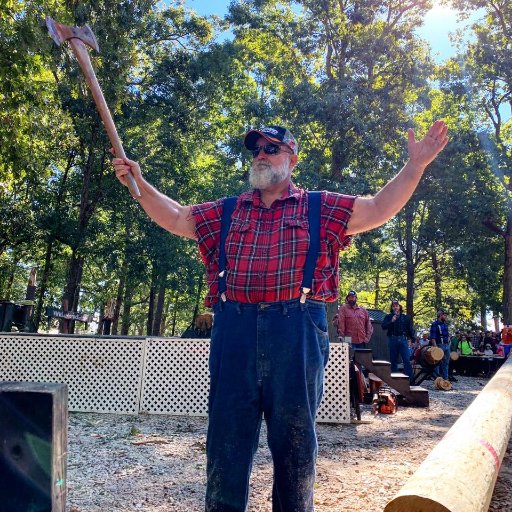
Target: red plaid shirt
{"x": 266, "y": 247}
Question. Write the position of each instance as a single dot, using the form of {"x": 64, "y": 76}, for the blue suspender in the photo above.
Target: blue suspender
{"x": 311, "y": 257}
{"x": 314, "y": 243}
{"x": 227, "y": 210}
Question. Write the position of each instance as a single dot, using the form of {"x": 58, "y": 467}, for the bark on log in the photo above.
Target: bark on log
{"x": 473, "y": 448}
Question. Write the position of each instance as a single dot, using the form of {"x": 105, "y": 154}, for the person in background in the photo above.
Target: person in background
{"x": 465, "y": 346}
{"x": 353, "y": 320}
{"x": 488, "y": 350}
{"x": 415, "y": 345}
{"x": 479, "y": 340}
{"x": 399, "y": 330}
{"x": 424, "y": 340}
{"x": 454, "y": 344}
{"x": 454, "y": 341}
{"x": 440, "y": 337}
{"x": 493, "y": 341}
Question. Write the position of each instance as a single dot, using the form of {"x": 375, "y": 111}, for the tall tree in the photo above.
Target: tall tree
{"x": 487, "y": 69}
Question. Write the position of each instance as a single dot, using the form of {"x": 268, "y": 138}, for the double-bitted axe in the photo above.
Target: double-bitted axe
{"x": 78, "y": 37}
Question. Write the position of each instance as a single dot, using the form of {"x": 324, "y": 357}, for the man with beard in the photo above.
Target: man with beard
{"x": 269, "y": 341}
{"x": 353, "y": 320}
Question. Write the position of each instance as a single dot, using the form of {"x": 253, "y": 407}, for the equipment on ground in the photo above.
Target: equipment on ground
{"x": 442, "y": 384}
{"x": 385, "y": 401}
{"x": 33, "y": 446}
{"x": 428, "y": 358}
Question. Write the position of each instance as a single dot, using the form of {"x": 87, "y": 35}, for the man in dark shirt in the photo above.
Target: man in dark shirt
{"x": 399, "y": 327}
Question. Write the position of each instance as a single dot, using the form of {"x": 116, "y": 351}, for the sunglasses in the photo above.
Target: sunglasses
{"x": 268, "y": 149}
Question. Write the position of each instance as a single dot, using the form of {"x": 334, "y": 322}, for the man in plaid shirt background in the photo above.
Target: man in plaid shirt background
{"x": 269, "y": 348}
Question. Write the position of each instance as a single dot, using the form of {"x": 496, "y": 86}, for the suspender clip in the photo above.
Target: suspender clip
{"x": 305, "y": 291}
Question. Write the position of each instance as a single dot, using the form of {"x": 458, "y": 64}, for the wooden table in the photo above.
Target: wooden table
{"x": 476, "y": 365}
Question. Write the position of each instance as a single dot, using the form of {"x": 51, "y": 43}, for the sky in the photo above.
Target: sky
{"x": 439, "y": 22}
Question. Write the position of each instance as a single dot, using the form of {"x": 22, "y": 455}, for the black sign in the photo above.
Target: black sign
{"x": 68, "y": 315}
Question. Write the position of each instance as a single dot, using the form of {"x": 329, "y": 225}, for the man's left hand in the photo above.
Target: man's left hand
{"x": 424, "y": 151}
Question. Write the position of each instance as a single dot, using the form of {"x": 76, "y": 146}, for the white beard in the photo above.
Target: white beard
{"x": 263, "y": 175}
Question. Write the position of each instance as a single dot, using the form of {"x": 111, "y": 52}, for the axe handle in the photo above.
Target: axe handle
{"x": 82, "y": 56}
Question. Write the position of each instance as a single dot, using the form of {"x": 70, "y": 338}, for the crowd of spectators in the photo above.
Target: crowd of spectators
{"x": 477, "y": 342}
{"x": 466, "y": 343}
{"x": 486, "y": 344}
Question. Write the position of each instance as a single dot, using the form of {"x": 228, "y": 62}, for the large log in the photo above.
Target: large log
{"x": 460, "y": 473}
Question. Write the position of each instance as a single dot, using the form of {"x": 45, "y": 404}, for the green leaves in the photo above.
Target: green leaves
{"x": 347, "y": 78}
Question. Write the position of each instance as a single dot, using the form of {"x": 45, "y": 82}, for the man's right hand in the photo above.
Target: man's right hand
{"x": 125, "y": 166}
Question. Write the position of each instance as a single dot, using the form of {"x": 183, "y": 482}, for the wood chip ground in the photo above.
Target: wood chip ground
{"x": 157, "y": 463}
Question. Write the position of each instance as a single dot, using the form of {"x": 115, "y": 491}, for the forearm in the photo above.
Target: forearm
{"x": 166, "y": 212}
{"x": 394, "y": 195}
{"x": 371, "y": 212}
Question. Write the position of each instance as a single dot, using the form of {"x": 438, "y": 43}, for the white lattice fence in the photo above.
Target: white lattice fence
{"x": 176, "y": 376}
{"x": 335, "y": 406}
{"x": 152, "y": 375}
{"x": 102, "y": 374}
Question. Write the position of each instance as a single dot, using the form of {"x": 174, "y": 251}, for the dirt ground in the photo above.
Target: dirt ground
{"x": 157, "y": 463}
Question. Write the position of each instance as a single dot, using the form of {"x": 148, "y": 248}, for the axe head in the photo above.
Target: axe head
{"x": 60, "y": 33}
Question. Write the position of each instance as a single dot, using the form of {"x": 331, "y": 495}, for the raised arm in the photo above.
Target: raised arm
{"x": 371, "y": 212}
{"x": 166, "y": 212}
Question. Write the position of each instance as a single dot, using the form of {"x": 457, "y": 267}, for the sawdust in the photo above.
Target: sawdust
{"x": 157, "y": 463}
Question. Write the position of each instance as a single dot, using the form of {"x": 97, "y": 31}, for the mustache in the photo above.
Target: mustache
{"x": 265, "y": 165}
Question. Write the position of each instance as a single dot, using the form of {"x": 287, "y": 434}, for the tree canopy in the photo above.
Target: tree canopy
{"x": 348, "y": 78}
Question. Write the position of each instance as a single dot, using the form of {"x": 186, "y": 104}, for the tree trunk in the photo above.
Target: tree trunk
{"x": 87, "y": 208}
{"x": 174, "y": 317}
{"x": 151, "y": 312}
{"x": 437, "y": 279}
{"x": 496, "y": 320}
{"x": 44, "y": 281}
{"x": 119, "y": 297}
{"x": 72, "y": 290}
{"x": 409, "y": 262}
{"x": 99, "y": 330}
{"x": 377, "y": 291}
{"x": 10, "y": 281}
{"x": 483, "y": 316}
{"x": 127, "y": 304}
{"x": 165, "y": 315}
{"x": 64, "y": 326}
{"x": 51, "y": 239}
{"x": 507, "y": 275}
{"x": 198, "y": 299}
{"x": 151, "y": 304}
{"x": 157, "y": 321}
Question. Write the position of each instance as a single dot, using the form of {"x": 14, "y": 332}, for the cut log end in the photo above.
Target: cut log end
{"x": 414, "y": 503}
